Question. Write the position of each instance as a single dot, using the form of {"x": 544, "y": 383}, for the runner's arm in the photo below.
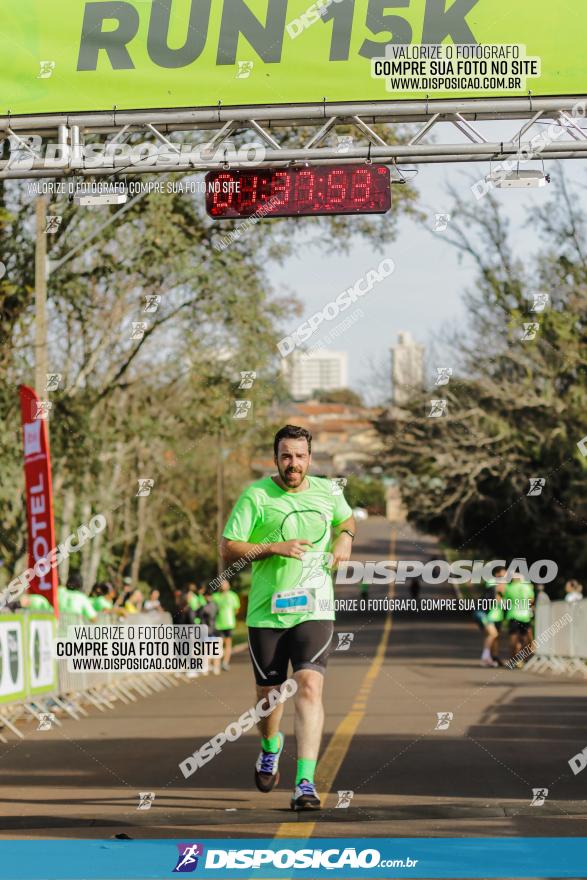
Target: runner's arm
{"x": 343, "y": 543}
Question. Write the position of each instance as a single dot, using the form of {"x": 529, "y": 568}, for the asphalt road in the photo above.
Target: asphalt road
{"x": 510, "y": 732}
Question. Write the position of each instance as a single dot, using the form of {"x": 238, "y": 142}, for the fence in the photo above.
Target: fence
{"x": 33, "y": 684}
{"x": 560, "y": 636}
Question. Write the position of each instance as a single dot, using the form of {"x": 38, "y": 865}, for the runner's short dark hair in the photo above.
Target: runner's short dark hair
{"x": 292, "y": 432}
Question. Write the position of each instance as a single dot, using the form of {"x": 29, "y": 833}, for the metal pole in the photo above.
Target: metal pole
{"x": 219, "y": 501}
{"x": 41, "y": 296}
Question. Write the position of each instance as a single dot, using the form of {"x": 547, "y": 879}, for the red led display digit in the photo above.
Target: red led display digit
{"x": 306, "y": 180}
{"x": 280, "y": 189}
{"x": 335, "y": 186}
{"x": 247, "y": 195}
{"x": 220, "y": 200}
{"x": 361, "y": 185}
{"x": 296, "y": 192}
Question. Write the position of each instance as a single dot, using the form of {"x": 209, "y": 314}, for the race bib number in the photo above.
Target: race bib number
{"x": 292, "y": 602}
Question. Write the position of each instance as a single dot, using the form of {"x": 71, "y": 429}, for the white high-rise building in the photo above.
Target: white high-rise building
{"x": 407, "y": 368}
{"x": 319, "y": 369}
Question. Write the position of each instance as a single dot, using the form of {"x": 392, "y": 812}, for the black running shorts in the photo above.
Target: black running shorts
{"x": 305, "y": 646}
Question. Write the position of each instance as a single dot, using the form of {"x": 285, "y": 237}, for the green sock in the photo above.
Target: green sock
{"x": 271, "y": 744}
{"x": 305, "y": 770}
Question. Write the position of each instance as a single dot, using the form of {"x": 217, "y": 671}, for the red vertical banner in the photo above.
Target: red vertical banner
{"x": 39, "y": 493}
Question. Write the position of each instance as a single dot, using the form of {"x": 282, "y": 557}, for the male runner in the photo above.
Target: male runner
{"x": 296, "y": 528}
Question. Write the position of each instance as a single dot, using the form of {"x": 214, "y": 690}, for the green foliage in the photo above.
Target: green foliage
{"x": 156, "y": 406}
{"x": 338, "y": 395}
{"x": 515, "y": 409}
{"x": 366, "y": 492}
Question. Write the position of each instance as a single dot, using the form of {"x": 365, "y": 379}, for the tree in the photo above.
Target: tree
{"x": 515, "y": 406}
{"x": 155, "y": 404}
{"x": 366, "y": 492}
{"x": 338, "y": 395}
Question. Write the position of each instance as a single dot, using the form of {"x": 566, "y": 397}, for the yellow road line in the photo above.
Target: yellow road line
{"x": 341, "y": 739}
{"x": 393, "y": 541}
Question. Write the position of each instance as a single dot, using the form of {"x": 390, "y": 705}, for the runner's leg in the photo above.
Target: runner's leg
{"x": 227, "y": 650}
{"x": 268, "y": 651}
{"x": 309, "y": 713}
{"x": 309, "y": 644}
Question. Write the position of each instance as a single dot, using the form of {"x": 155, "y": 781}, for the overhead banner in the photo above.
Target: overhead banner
{"x": 90, "y": 55}
{"x": 39, "y": 494}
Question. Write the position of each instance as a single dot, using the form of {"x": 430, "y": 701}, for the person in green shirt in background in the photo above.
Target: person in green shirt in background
{"x": 519, "y": 616}
{"x": 35, "y": 602}
{"x": 494, "y": 619}
{"x": 228, "y": 604}
{"x": 101, "y": 597}
{"x": 195, "y": 599}
{"x": 72, "y": 599}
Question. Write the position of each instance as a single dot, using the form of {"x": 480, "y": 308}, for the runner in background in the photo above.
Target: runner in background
{"x": 207, "y": 615}
{"x": 35, "y": 602}
{"x": 519, "y": 616}
{"x": 228, "y": 604}
{"x": 195, "y": 597}
{"x": 72, "y": 599}
{"x": 494, "y": 619}
{"x": 470, "y": 591}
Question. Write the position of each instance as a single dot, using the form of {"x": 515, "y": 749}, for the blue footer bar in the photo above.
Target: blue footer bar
{"x": 366, "y": 858}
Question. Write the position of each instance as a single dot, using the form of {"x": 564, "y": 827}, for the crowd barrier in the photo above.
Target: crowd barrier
{"x": 561, "y": 637}
{"x": 33, "y": 684}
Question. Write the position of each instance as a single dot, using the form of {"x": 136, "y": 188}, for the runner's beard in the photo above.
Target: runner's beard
{"x": 292, "y": 477}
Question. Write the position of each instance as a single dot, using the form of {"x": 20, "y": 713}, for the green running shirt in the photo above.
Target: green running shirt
{"x": 265, "y": 513}
{"x": 75, "y": 602}
{"x": 39, "y": 603}
{"x": 521, "y": 594}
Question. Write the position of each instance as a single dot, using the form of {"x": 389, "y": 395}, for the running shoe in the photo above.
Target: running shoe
{"x": 488, "y": 661}
{"x": 305, "y": 797}
{"x": 266, "y": 768}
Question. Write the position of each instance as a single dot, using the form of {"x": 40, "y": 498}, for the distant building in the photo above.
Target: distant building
{"x": 407, "y": 368}
{"x": 320, "y": 369}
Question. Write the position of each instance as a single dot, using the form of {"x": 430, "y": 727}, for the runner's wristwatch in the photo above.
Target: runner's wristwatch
{"x": 348, "y": 531}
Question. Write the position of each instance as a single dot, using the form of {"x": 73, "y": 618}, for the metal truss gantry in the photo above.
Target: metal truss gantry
{"x": 422, "y": 127}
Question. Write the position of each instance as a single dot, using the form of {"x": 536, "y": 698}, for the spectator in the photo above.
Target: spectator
{"x": 228, "y": 604}
{"x": 101, "y": 597}
{"x": 72, "y": 599}
{"x": 182, "y": 614}
{"x": 35, "y": 602}
{"x": 133, "y": 604}
{"x": 208, "y": 612}
{"x": 574, "y": 591}
{"x": 153, "y": 603}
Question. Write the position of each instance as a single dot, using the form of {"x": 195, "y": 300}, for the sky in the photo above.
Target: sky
{"x": 424, "y": 293}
